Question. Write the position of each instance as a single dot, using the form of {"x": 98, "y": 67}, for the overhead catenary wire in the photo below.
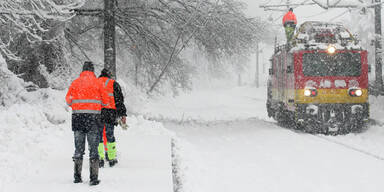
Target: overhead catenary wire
{"x": 343, "y": 13}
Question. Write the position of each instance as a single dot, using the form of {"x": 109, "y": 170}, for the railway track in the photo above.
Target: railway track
{"x": 339, "y": 143}
{"x": 362, "y": 151}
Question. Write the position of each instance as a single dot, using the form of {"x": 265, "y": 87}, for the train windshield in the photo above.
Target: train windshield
{"x": 340, "y": 64}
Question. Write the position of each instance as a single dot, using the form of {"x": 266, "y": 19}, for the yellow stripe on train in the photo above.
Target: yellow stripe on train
{"x": 330, "y": 96}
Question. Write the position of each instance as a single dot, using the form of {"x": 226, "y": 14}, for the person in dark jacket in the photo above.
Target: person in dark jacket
{"x": 86, "y": 96}
{"x": 110, "y": 113}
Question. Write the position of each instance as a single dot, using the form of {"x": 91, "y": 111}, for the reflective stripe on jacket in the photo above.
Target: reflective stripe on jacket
{"x": 289, "y": 17}
{"x": 86, "y": 94}
{"x": 108, "y": 86}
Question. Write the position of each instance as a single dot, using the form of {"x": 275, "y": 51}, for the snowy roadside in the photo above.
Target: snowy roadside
{"x": 36, "y": 131}
{"x": 28, "y": 133}
{"x": 36, "y": 138}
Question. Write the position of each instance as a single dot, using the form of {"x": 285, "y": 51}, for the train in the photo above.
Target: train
{"x": 318, "y": 82}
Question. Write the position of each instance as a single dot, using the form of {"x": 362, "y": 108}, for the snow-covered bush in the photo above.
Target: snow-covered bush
{"x": 12, "y": 88}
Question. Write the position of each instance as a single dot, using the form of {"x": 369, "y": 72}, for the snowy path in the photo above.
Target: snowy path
{"x": 36, "y": 147}
{"x": 254, "y": 155}
{"x": 144, "y": 165}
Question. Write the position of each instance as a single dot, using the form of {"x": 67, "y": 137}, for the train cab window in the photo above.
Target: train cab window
{"x": 339, "y": 64}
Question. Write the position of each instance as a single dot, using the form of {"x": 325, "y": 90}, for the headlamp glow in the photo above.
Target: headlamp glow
{"x": 307, "y": 92}
{"x": 331, "y": 49}
{"x": 358, "y": 92}
{"x": 310, "y": 92}
{"x": 355, "y": 92}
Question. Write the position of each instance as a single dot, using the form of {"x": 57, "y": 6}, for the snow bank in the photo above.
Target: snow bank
{"x": 28, "y": 132}
{"x": 12, "y": 88}
{"x": 36, "y": 128}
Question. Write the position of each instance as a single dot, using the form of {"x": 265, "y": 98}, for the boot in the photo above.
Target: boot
{"x": 101, "y": 163}
{"x": 77, "y": 169}
{"x": 112, "y": 153}
{"x": 94, "y": 172}
{"x": 112, "y": 162}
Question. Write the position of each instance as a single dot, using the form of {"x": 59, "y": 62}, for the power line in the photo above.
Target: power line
{"x": 339, "y": 15}
{"x": 315, "y": 15}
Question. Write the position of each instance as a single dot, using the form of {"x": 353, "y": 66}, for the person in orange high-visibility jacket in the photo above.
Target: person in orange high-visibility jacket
{"x": 110, "y": 113}
{"x": 86, "y": 96}
{"x": 289, "y": 23}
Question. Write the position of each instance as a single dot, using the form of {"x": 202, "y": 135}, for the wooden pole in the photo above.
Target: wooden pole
{"x": 109, "y": 37}
{"x": 378, "y": 59}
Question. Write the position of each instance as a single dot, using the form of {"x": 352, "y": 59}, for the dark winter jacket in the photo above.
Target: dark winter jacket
{"x": 110, "y": 115}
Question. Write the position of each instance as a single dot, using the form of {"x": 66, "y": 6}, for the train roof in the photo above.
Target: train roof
{"x": 320, "y": 35}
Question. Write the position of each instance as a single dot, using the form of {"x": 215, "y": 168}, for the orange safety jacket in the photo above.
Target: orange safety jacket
{"x": 108, "y": 86}
{"x": 289, "y": 17}
{"x": 86, "y": 94}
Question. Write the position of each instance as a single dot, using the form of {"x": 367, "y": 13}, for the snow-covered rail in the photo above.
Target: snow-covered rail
{"x": 331, "y": 139}
{"x": 365, "y": 152}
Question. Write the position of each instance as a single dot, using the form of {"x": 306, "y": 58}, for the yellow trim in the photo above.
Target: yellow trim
{"x": 330, "y": 96}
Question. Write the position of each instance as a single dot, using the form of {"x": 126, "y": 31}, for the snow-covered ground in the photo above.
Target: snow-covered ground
{"x": 234, "y": 146}
{"x": 254, "y": 155}
{"x": 223, "y": 139}
{"x": 36, "y": 148}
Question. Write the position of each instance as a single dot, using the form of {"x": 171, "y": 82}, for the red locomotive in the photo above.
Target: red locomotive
{"x": 319, "y": 82}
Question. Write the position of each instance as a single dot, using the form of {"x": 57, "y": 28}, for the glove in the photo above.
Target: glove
{"x": 124, "y": 119}
{"x": 123, "y": 123}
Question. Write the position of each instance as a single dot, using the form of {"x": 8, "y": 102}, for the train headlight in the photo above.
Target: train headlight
{"x": 331, "y": 49}
{"x": 355, "y": 92}
{"x": 307, "y": 92}
{"x": 359, "y": 92}
{"x": 310, "y": 92}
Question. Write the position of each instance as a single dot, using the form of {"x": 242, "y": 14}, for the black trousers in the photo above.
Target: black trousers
{"x": 109, "y": 132}
{"x": 86, "y": 127}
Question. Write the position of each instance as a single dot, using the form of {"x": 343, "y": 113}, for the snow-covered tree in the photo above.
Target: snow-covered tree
{"x": 31, "y": 17}
{"x": 156, "y": 32}
{"x": 151, "y": 37}
{"x": 30, "y": 35}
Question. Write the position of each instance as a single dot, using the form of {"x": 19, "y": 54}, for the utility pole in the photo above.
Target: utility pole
{"x": 378, "y": 59}
{"x": 108, "y": 14}
{"x": 257, "y": 66}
